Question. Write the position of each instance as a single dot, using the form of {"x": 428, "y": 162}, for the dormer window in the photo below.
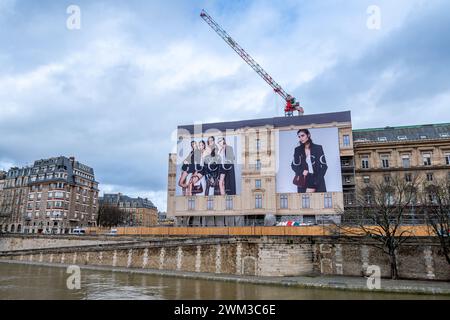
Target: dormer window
{"x": 382, "y": 139}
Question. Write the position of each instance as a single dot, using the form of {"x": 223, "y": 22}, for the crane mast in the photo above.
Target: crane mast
{"x": 291, "y": 103}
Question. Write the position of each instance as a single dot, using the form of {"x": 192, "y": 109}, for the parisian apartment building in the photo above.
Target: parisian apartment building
{"x": 54, "y": 195}
{"x": 139, "y": 212}
{"x": 420, "y": 153}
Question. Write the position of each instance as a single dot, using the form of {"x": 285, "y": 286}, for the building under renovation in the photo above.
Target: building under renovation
{"x": 274, "y": 169}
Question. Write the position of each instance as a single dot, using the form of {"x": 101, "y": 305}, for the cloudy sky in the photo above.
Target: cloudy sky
{"x": 112, "y": 92}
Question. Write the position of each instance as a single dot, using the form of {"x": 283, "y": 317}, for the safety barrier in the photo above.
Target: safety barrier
{"x": 418, "y": 231}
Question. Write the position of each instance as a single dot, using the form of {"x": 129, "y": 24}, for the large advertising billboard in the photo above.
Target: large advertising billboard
{"x": 209, "y": 166}
{"x": 308, "y": 161}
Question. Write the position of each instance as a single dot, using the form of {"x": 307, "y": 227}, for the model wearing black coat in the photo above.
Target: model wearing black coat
{"x": 319, "y": 164}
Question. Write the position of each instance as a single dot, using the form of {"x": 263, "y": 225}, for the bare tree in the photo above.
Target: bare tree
{"x": 110, "y": 216}
{"x": 379, "y": 214}
{"x": 436, "y": 208}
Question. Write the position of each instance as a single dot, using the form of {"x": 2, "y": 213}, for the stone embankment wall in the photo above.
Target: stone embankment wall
{"x": 254, "y": 256}
{"x": 21, "y": 242}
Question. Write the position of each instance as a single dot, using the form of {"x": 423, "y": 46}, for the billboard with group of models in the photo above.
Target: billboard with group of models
{"x": 307, "y": 161}
{"x": 209, "y": 166}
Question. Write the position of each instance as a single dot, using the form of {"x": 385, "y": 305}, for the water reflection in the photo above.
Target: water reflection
{"x": 36, "y": 282}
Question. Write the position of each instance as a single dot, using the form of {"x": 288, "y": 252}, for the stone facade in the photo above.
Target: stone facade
{"x": 139, "y": 211}
{"x": 54, "y": 195}
{"x": 381, "y": 153}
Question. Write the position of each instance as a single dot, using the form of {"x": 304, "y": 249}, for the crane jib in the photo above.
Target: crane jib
{"x": 291, "y": 103}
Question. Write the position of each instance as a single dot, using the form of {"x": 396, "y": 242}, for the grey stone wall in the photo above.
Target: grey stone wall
{"x": 254, "y": 256}
{"x": 8, "y": 243}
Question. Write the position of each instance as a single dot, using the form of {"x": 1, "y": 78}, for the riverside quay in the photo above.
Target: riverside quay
{"x": 303, "y": 168}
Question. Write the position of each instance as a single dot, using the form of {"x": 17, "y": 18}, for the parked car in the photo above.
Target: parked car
{"x": 112, "y": 232}
{"x": 79, "y": 231}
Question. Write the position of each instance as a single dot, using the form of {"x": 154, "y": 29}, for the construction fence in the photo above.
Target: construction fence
{"x": 418, "y": 231}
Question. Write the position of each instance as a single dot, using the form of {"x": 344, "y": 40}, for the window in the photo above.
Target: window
{"x": 426, "y": 159}
{"x": 191, "y": 204}
{"x": 305, "y": 201}
{"x": 387, "y": 178}
{"x": 366, "y": 179}
{"x": 347, "y": 179}
{"x": 429, "y": 177}
{"x": 283, "y": 201}
{"x": 258, "y": 183}
{"x": 258, "y": 144}
{"x": 382, "y": 139}
{"x": 328, "y": 201}
{"x": 258, "y": 164}
{"x": 402, "y": 138}
{"x": 345, "y": 163}
{"x": 389, "y": 198}
{"x": 38, "y": 205}
{"x": 432, "y": 197}
{"x": 423, "y": 137}
{"x": 348, "y": 198}
{"x": 210, "y": 203}
{"x": 406, "y": 162}
{"x": 229, "y": 203}
{"x": 447, "y": 158}
{"x": 59, "y": 195}
{"x": 444, "y": 135}
{"x": 258, "y": 201}
{"x": 408, "y": 177}
{"x": 346, "y": 140}
{"x": 385, "y": 161}
{"x": 365, "y": 162}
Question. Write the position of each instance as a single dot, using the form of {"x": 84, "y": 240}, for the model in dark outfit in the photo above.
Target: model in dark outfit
{"x": 188, "y": 166}
{"x": 211, "y": 167}
{"x": 227, "y": 178}
{"x": 314, "y": 168}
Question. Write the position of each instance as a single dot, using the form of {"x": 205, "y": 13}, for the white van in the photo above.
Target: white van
{"x": 78, "y": 231}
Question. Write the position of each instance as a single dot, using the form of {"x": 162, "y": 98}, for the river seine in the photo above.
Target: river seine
{"x": 40, "y": 282}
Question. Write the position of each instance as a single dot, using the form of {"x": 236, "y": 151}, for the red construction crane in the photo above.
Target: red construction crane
{"x": 291, "y": 103}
